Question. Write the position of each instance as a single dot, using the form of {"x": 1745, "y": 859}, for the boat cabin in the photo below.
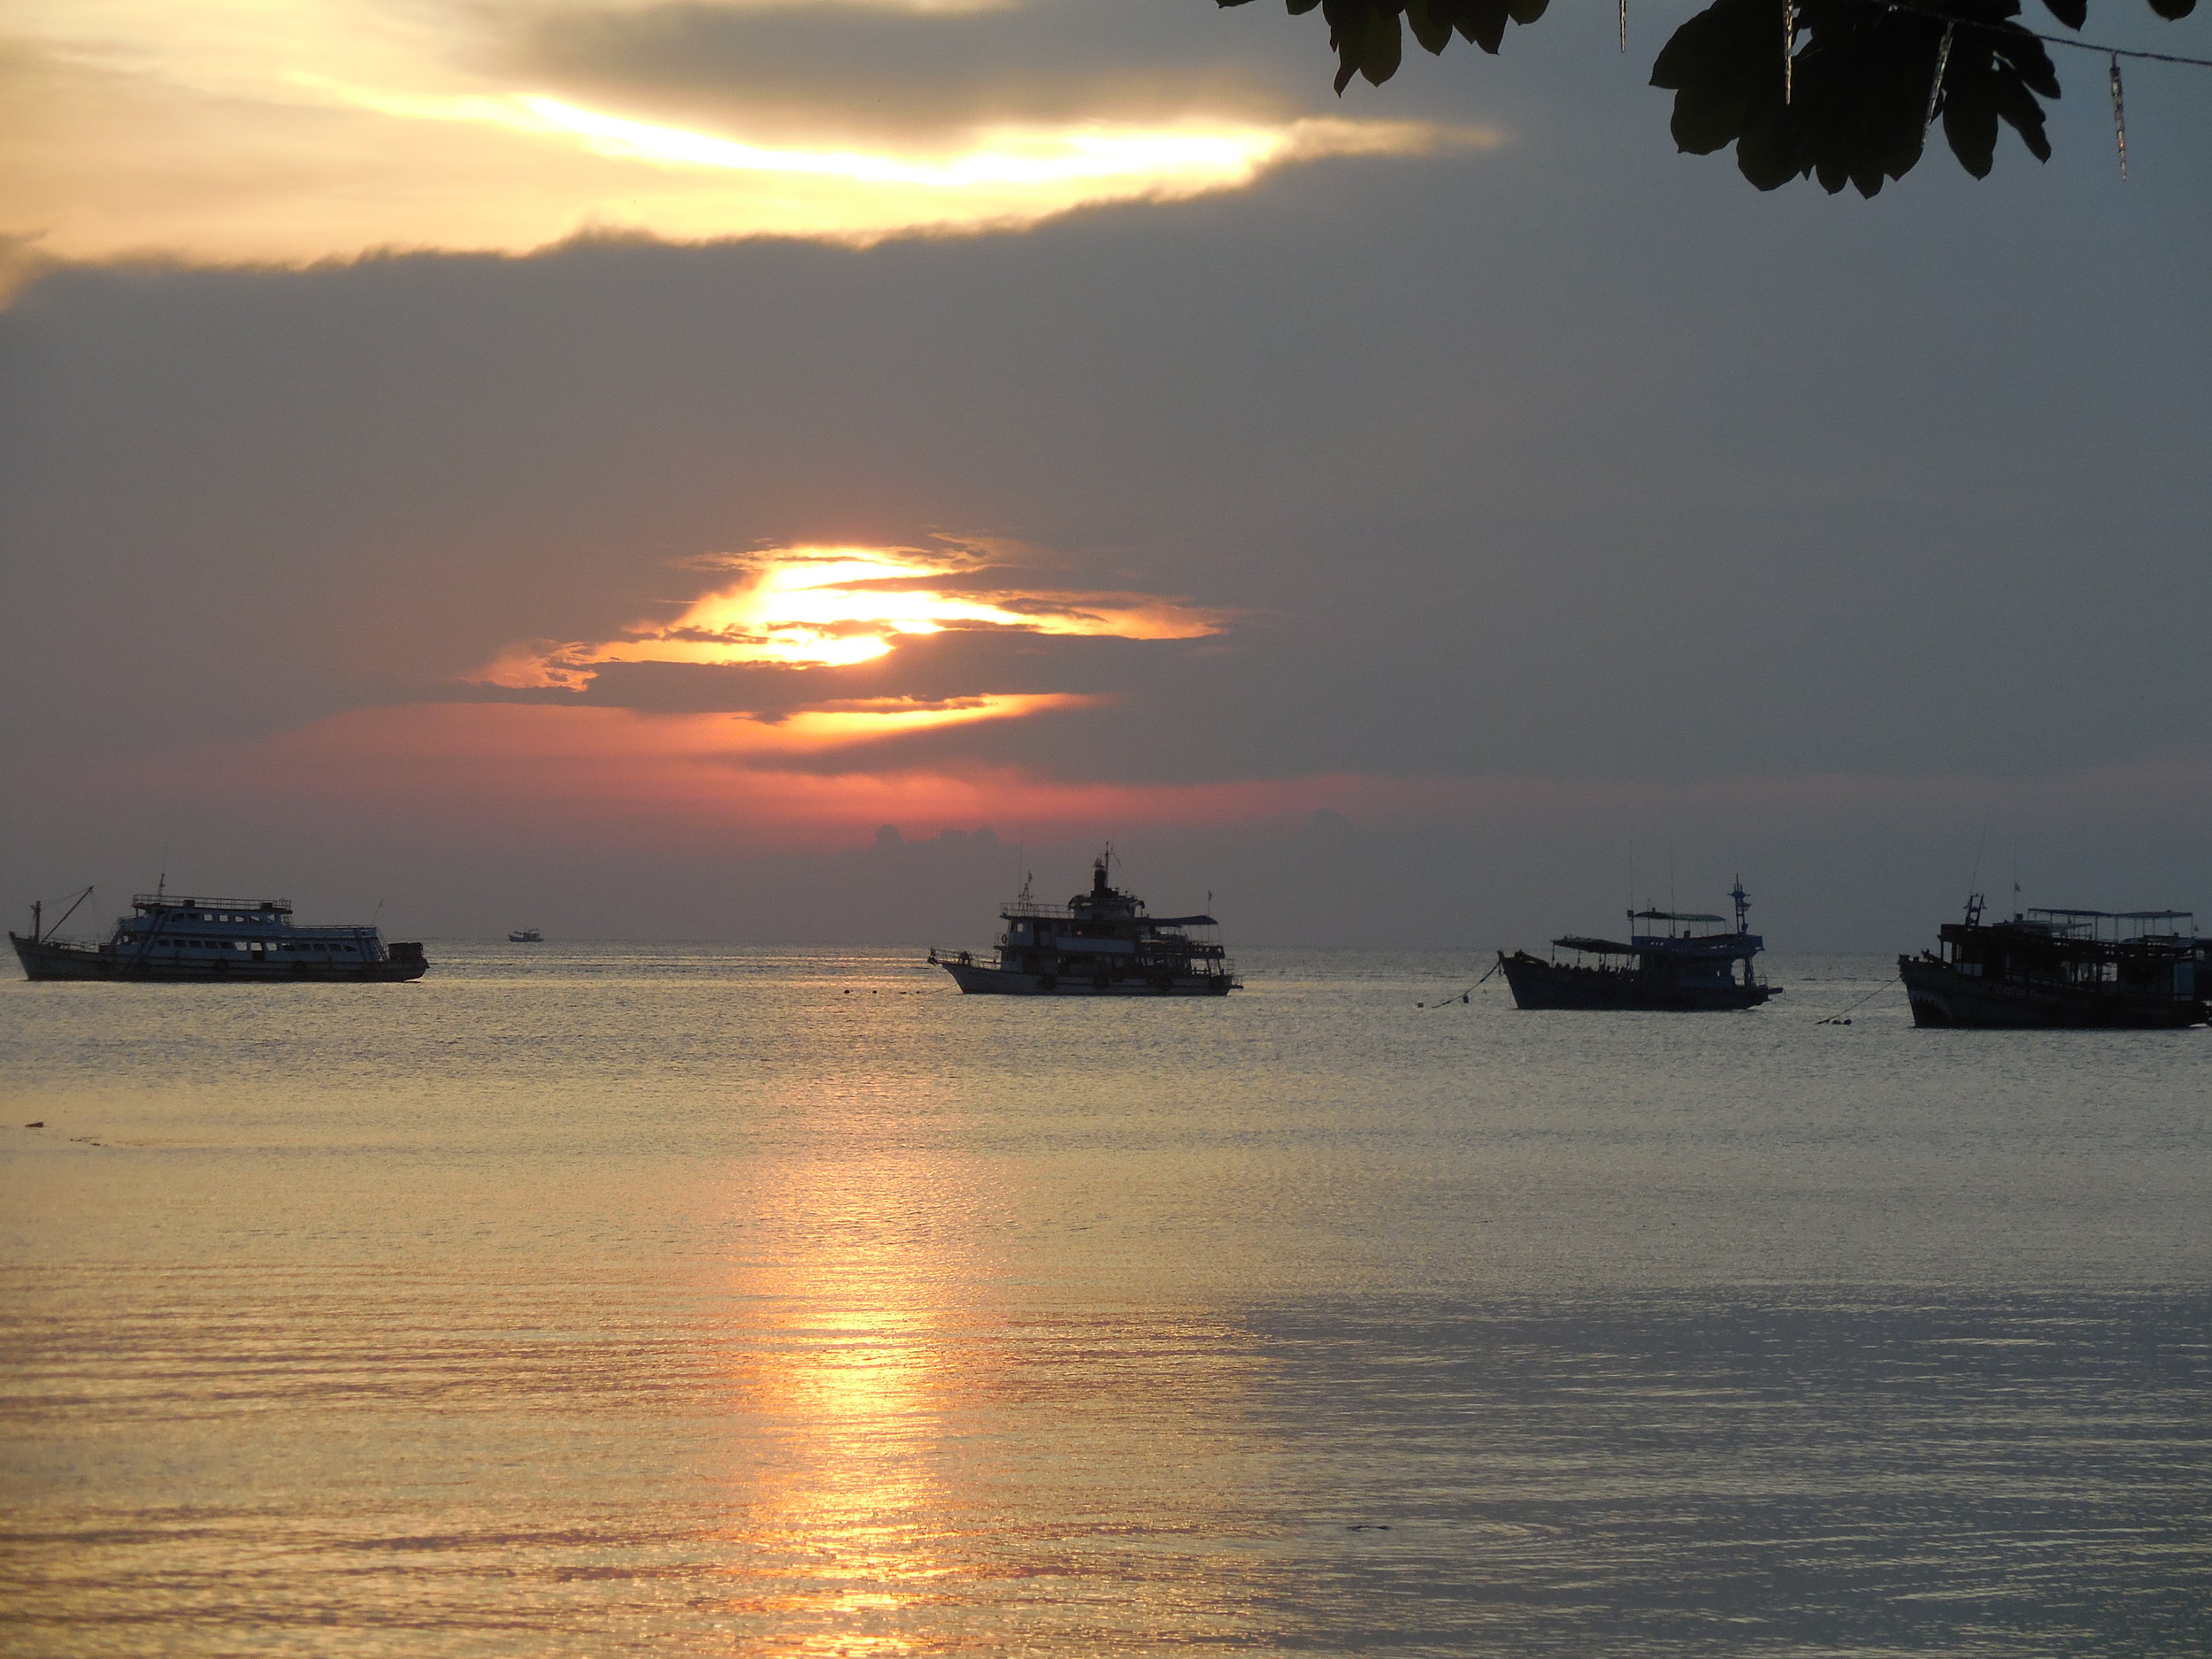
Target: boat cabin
{"x": 165, "y": 925}
{"x": 2152, "y": 951}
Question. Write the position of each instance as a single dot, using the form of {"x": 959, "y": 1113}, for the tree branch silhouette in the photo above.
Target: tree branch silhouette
{"x": 1846, "y": 92}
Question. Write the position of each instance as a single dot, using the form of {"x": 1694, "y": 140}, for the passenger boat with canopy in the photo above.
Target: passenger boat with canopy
{"x": 175, "y": 940}
{"x": 1663, "y": 967}
{"x": 2048, "y": 968}
{"x": 1099, "y": 943}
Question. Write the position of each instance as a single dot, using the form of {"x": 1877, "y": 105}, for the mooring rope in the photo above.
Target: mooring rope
{"x": 1837, "y": 1018}
{"x": 1461, "y": 996}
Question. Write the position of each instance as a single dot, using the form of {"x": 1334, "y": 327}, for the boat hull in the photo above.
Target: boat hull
{"x": 1942, "y": 997}
{"x": 47, "y": 959}
{"x": 976, "y": 980}
{"x": 1538, "y": 984}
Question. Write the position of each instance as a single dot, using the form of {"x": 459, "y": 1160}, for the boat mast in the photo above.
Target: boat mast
{"x": 65, "y": 915}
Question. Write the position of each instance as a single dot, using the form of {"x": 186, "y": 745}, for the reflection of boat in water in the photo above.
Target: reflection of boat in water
{"x": 1671, "y": 971}
{"x": 1099, "y": 943}
{"x": 2060, "y": 968}
{"x": 526, "y": 936}
{"x": 179, "y": 940}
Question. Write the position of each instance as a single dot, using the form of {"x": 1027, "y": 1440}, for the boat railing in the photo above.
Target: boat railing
{"x": 179, "y": 901}
{"x": 2115, "y": 926}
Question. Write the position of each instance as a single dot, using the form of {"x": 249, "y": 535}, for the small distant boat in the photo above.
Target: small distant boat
{"x": 1665, "y": 968}
{"x": 526, "y": 936}
{"x": 1099, "y": 943}
{"x": 174, "y": 940}
{"x": 2052, "y": 968}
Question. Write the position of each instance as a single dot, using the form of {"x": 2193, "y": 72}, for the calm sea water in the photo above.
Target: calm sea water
{"x": 598, "y": 1300}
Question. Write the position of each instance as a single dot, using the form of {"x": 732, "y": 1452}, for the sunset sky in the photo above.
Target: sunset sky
{"x": 783, "y": 470}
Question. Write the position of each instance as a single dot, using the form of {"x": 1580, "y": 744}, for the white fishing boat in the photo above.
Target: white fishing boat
{"x": 1099, "y": 943}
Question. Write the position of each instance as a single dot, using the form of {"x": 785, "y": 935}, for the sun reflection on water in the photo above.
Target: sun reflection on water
{"x": 842, "y": 1482}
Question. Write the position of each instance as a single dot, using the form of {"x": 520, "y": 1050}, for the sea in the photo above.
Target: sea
{"x": 603, "y": 1299}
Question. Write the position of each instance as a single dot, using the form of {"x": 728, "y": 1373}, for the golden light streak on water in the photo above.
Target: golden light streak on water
{"x": 854, "y": 1385}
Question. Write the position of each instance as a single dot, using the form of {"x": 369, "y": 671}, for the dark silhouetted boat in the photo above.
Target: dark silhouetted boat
{"x": 2048, "y": 968}
{"x": 526, "y": 936}
{"x": 178, "y": 941}
{"x": 1664, "y": 968}
{"x": 1099, "y": 943}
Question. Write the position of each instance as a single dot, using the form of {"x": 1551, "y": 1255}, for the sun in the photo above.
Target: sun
{"x": 818, "y": 606}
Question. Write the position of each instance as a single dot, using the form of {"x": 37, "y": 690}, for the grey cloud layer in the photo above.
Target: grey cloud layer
{"x": 1815, "y": 497}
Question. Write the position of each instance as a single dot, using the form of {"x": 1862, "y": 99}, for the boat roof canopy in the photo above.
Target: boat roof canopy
{"x": 2121, "y": 915}
{"x": 181, "y": 901}
{"x": 1674, "y": 916}
{"x": 1021, "y": 910}
{"x": 1597, "y": 947}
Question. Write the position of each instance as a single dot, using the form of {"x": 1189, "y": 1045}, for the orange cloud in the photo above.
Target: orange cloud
{"x": 620, "y": 777}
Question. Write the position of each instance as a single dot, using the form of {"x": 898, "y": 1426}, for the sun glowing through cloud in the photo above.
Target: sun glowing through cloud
{"x": 836, "y": 606}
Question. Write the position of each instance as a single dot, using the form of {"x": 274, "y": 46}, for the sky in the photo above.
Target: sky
{"x": 785, "y": 471}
